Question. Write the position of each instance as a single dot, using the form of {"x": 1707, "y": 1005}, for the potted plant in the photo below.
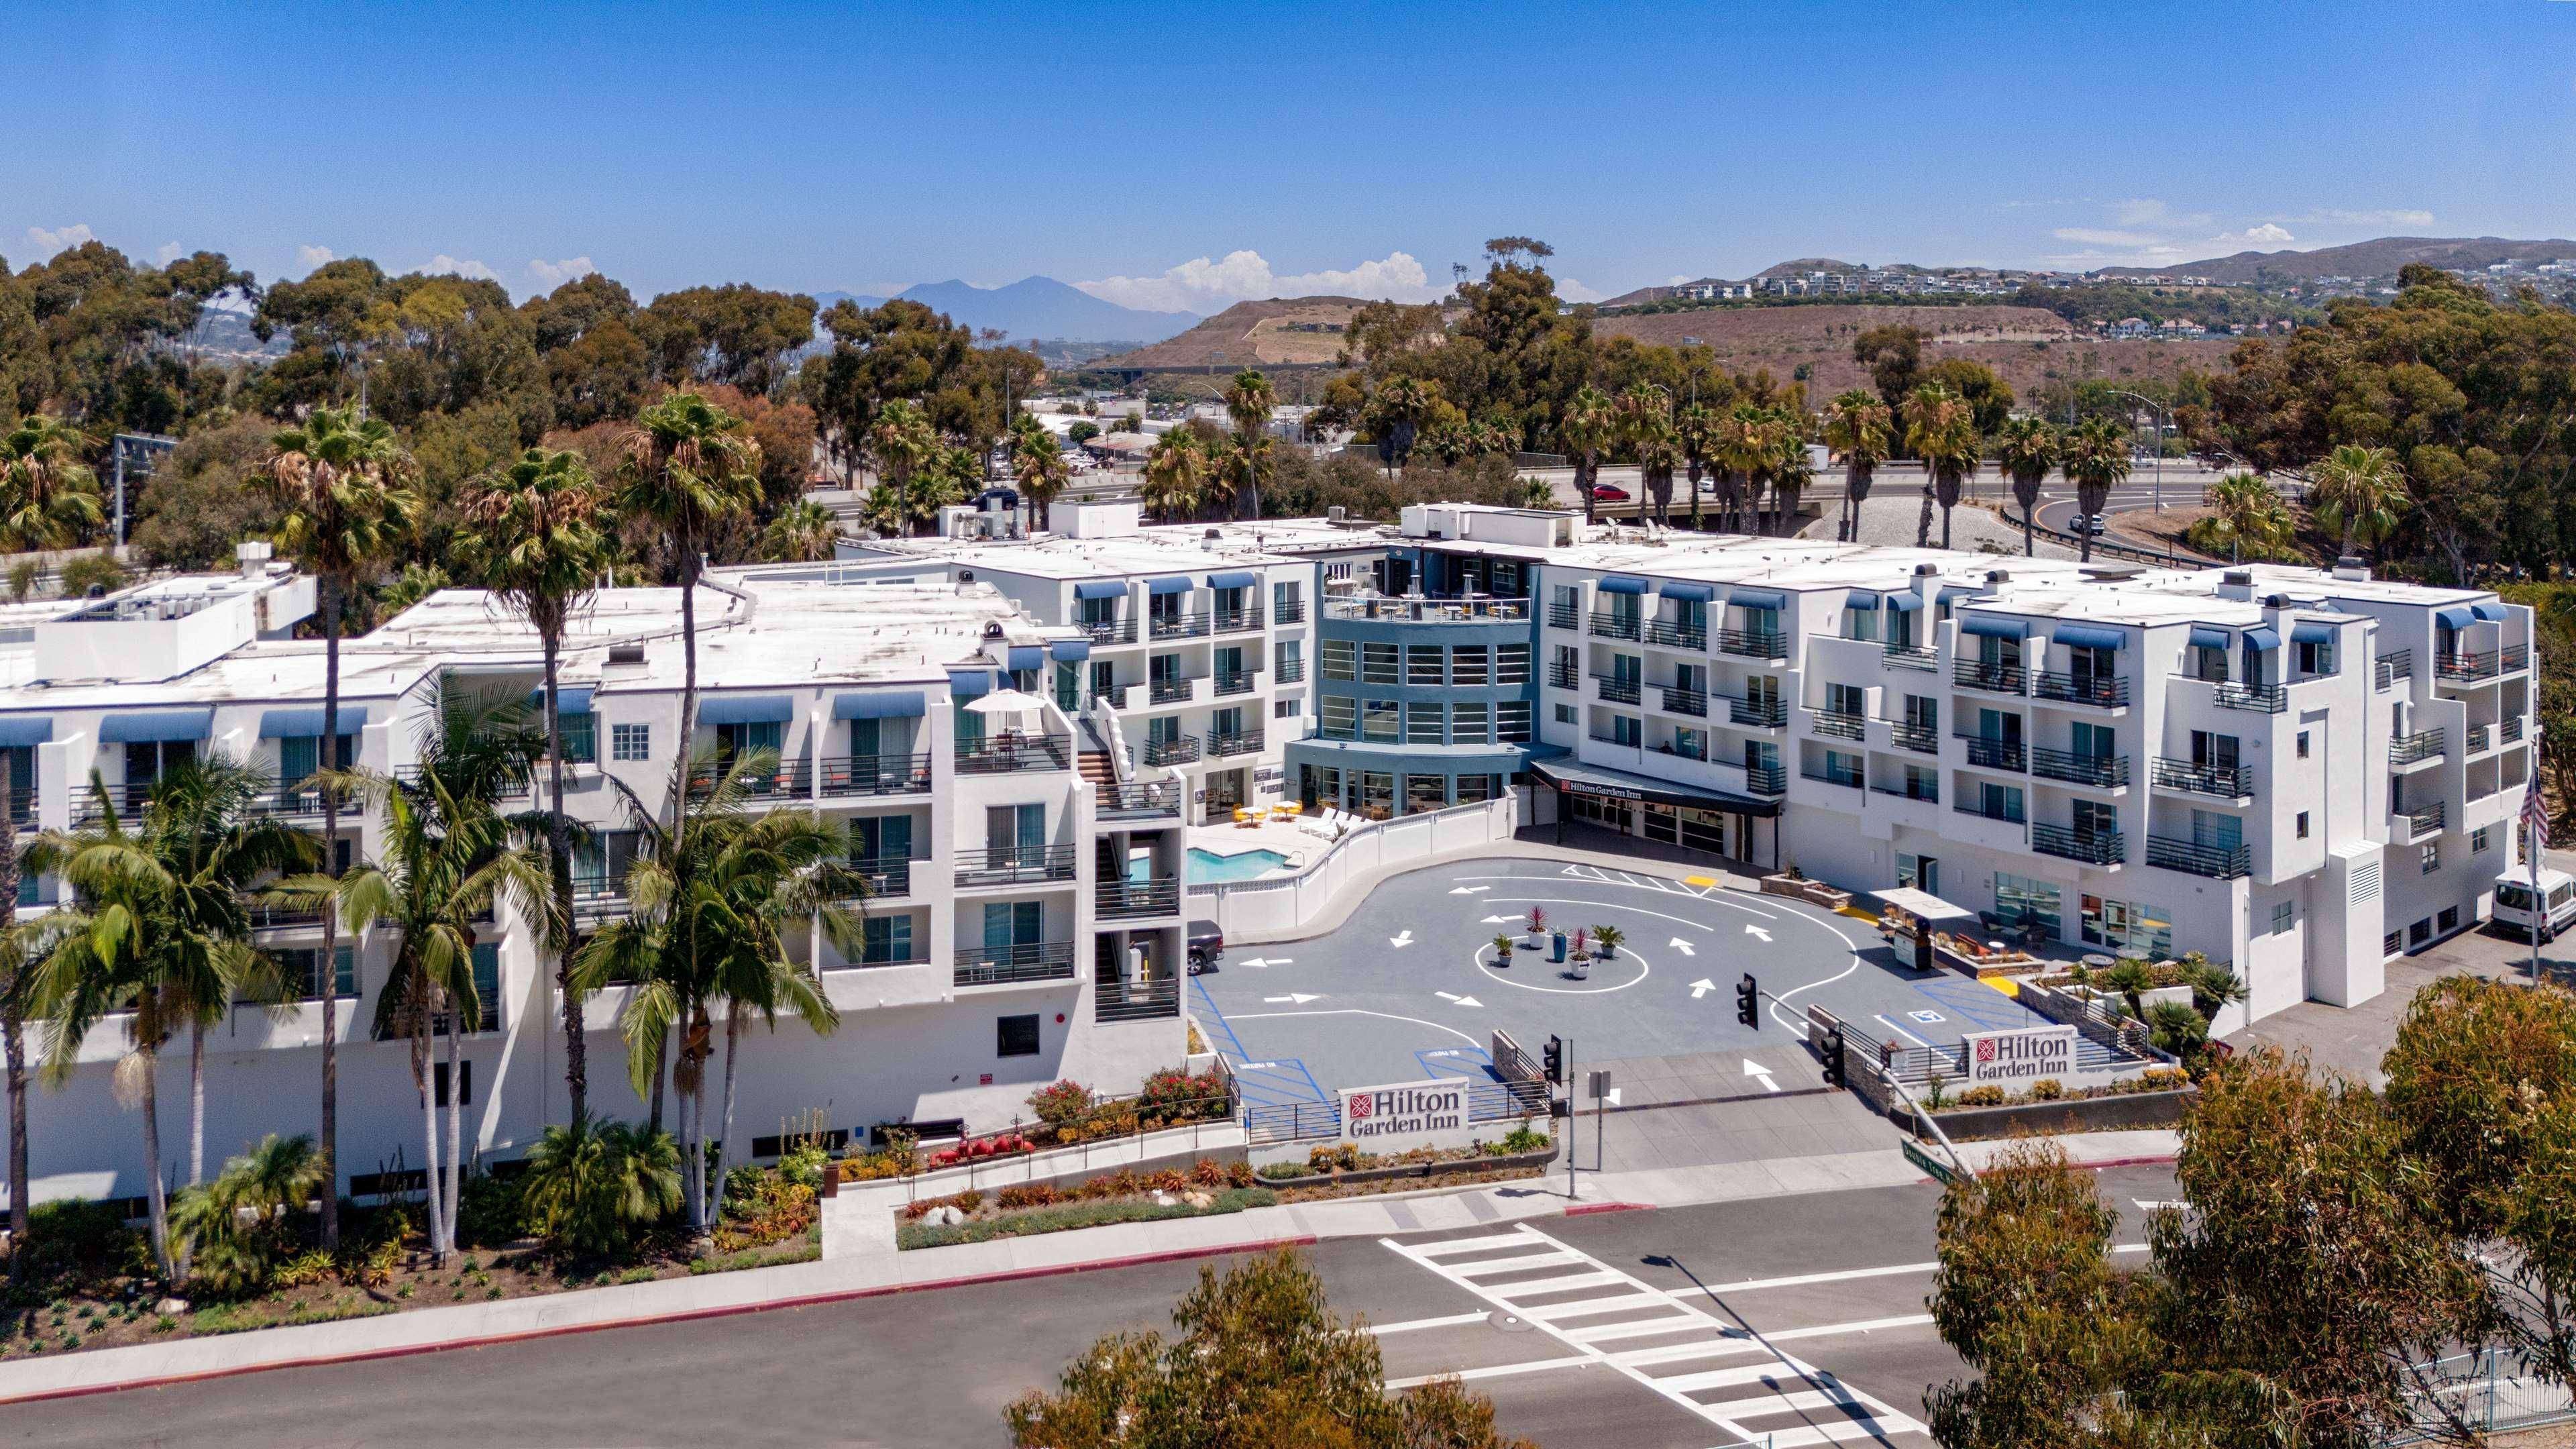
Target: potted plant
{"x": 1608, "y": 939}
{"x": 1580, "y": 958}
{"x": 1537, "y": 927}
{"x": 1502, "y": 950}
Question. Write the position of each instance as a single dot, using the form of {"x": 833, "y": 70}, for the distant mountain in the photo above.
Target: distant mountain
{"x": 1800, "y": 266}
{"x": 2379, "y": 258}
{"x": 1036, "y": 308}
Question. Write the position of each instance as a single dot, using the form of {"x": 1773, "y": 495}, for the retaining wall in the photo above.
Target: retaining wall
{"x": 1281, "y": 908}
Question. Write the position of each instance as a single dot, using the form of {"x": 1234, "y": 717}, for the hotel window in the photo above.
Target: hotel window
{"x": 1425, "y": 793}
{"x": 1291, "y": 664}
{"x": 1470, "y": 664}
{"x": 1378, "y": 664}
{"x": 1475, "y": 789}
{"x": 1422, "y": 664}
{"x": 2432, "y": 856}
{"x": 1511, "y": 663}
{"x": 886, "y": 940}
{"x": 1284, "y": 707}
{"x": 1283, "y": 603}
{"x": 1377, "y": 794}
{"x": 1690, "y": 744}
{"x": 1512, "y": 721}
{"x": 1863, "y": 624}
{"x": 1015, "y": 1036}
{"x": 2285, "y": 914}
{"x": 2316, "y": 656}
{"x": 2303, "y": 744}
{"x": 2481, "y": 838}
{"x": 2022, "y": 902}
{"x": 1341, "y": 659}
{"x": 2303, "y": 825}
{"x": 1565, "y": 714}
{"x": 1340, "y": 717}
{"x": 630, "y": 742}
{"x": 1426, "y": 722}
{"x": 1564, "y": 604}
{"x": 1380, "y": 721}
{"x": 1469, "y": 725}
{"x": 2133, "y": 930}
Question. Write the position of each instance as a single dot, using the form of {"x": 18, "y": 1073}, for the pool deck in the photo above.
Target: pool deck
{"x": 1299, "y": 846}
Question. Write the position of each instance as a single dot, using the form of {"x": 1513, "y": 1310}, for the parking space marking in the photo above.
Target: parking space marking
{"x": 1890, "y": 1023}
{"x": 1607, "y": 906}
{"x": 1353, "y": 1011}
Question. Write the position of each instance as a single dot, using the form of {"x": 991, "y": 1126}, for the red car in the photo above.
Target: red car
{"x": 1609, "y": 493}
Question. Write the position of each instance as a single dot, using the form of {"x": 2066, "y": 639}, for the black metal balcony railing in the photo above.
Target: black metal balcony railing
{"x": 1019, "y": 752}
{"x": 1006, "y": 965}
{"x": 1444, "y": 609}
{"x": 1167, "y": 689}
{"x": 876, "y": 774}
{"x": 2479, "y": 735}
{"x": 1564, "y": 676}
{"x": 1172, "y": 750}
{"x": 2218, "y": 862}
{"x": 1015, "y": 865}
{"x": 1291, "y": 671}
{"x": 126, "y": 802}
{"x": 1766, "y": 779}
{"x": 22, "y": 807}
{"x": 2394, "y": 667}
{"x": 1109, "y": 631}
{"x": 1620, "y": 691}
{"x": 291, "y": 802}
{"x": 2421, "y": 745}
{"x": 1994, "y": 678}
{"x": 1564, "y": 616}
{"x": 1237, "y": 621}
{"x": 2424, "y": 820}
{"x": 1125, "y": 899}
{"x": 2102, "y": 772}
{"x": 1973, "y": 805}
{"x": 1837, "y": 724}
{"x": 787, "y": 777}
{"x": 510, "y": 790}
{"x": 2517, "y": 658}
{"x": 1907, "y": 656}
{"x": 1676, "y": 634}
{"x": 597, "y": 896}
{"x": 888, "y": 877}
{"x": 1926, "y": 790}
{"x": 1123, "y": 1000}
{"x": 2093, "y": 847}
{"x": 1289, "y": 613}
{"x": 1923, "y": 739}
{"x": 1616, "y": 626}
{"x": 2486, "y": 664}
{"x": 2227, "y": 782}
{"x": 2512, "y": 729}
{"x": 1237, "y": 742}
{"x": 1239, "y": 682}
{"x": 1177, "y": 626}
{"x": 1993, "y": 754}
{"x": 1692, "y": 702}
{"x": 2109, "y": 691}
{"x": 1753, "y": 643}
{"x": 2259, "y": 698}
{"x": 1847, "y": 778}
{"x": 281, "y": 918}
{"x": 1162, "y": 797}
{"x": 1760, "y": 714}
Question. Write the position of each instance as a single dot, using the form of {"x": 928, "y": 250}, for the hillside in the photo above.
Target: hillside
{"x": 2377, "y": 258}
{"x": 2022, "y": 344}
{"x": 1279, "y": 330}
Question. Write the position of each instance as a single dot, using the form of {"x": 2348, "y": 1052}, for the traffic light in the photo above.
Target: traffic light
{"x": 1553, "y": 1055}
{"x": 1832, "y": 1051}
{"x": 1747, "y": 996}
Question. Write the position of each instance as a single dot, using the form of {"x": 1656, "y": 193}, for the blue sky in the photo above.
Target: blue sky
{"x": 1189, "y": 156}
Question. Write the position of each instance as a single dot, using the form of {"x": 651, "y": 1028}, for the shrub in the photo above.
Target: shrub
{"x": 1208, "y": 1172}
{"x": 1238, "y": 1174}
{"x": 1175, "y": 1095}
{"x": 237, "y": 1226}
{"x": 1170, "y": 1179}
{"x": 1986, "y": 1096}
{"x": 804, "y": 1166}
{"x": 489, "y": 1211}
{"x": 2162, "y": 1079}
{"x": 1347, "y": 1157}
{"x": 1026, "y": 1195}
{"x": 1320, "y": 1159}
{"x": 742, "y": 1185}
{"x": 1524, "y": 1138}
{"x": 74, "y": 1242}
{"x": 592, "y": 1185}
{"x": 968, "y": 1201}
{"x": 2047, "y": 1089}
{"x": 1061, "y": 1104}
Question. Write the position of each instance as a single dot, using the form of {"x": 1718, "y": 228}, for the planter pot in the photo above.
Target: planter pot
{"x": 1827, "y": 896}
{"x": 1536, "y": 941}
{"x": 1609, "y": 953}
{"x": 1581, "y": 968}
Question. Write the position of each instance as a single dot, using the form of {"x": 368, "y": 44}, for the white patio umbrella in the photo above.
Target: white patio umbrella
{"x": 1005, "y": 701}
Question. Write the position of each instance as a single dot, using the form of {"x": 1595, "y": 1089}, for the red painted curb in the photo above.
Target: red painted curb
{"x": 2128, "y": 1162}
{"x": 732, "y": 1310}
{"x": 1585, "y": 1209}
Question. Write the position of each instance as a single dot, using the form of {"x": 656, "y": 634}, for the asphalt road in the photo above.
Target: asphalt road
{"x": 1648, "y": 1330}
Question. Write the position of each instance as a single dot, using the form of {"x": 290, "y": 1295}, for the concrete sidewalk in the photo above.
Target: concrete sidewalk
{"x": 866, "y": 1273}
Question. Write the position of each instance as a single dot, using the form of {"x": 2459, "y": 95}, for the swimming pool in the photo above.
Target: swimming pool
{"x": 1206, "y": 865}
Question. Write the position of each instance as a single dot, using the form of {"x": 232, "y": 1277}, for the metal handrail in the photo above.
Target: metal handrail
{"x": 1239, "y": 682}
{"x": 1840, "y": 725}
{"x": 1685, "y": 701}
{"x": 1015, "y": 864}
{"x": 1994, "y": 678}
{"x": 2393, "y": 667}
{"x": 1167, "y": 690}
{"x": 876, "y": 774}
{"x": 1177, "y": 626}
{"x": 1848, "y": 779}
{"x": 2099, "y": 847}
{"x": 1675, "y": 634}
{"x": 1615, "y": 626}
{"x": 1766, "y": 779}
{"x": 1237, "y": 621}
{"x": 1763, "y": 714}
{"x": 1907, "y": 656}
{"x": 1237, "y": 742}
{"x": 1176, "y": 750}
{"x": 2426, "y": 818}
{"x": 1159, "y": 797}
{"x": 1753, "y": 643}
{"x": 1620, "y": 691}
{"x": 1976, "y": 807}
{"x": 2108, "y": 772}
{"x": 1109, "y": 631}
{"x": 2227, "y": 782}
{"x": 2260, "y": 698}
{"x": 1922, "y": 739}
{"x": 1993, "y": 754}
{"x": 1027, "y": 752}
{"x": 1003, "y": 965}
{"x": 1122, "y": 898}
{"x": 1122, "y": 1000}
{"x": 1564, "y": 676}
{"x": 2213, "y": 861}
{"x": 2421, "y": 745}
{"x": 2107, "y": 691}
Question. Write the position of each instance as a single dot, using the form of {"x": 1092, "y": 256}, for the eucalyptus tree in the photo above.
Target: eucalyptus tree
{"x": 338, "y": 485}
{"x": 1857, "y": 430}
{"x": 2026, "y": 449}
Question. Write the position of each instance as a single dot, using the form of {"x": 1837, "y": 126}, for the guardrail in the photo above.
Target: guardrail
{"x": 2106, "y": 548}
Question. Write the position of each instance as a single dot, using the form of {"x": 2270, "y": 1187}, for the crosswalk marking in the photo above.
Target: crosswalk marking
{"x": 1735, "y": 1398}
{"x": 1416, "y": 1325}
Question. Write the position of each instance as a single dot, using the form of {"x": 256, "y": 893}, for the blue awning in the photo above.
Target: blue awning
{"x": 1905, "y": 603}
{"x": 2204, "y": 636}
{"x": 1102, "y": 589}
{"x": 1235, "y": 580}
{"x": 2457, "y": 616}
{"x": 1860, "y": 599}
{"x": 1621, "y": 584}
{"x": 299, "y": 724}
{"x": 1952, "y": 593}
{"x": 725, "y": 709}
{"x": 2492, "y": 613}
{"x": 2311, "y": 632}
{"x": 1027, "y": 656}
{"x": 158, "y": 724}
{"x": 1673, "y": 589}
{"x": 2262, "y": 637}
{"x": 970, "y": 683}
{"x": 26, "y": 729}
{"x": 1160, "y": 587}
{"x": 1070, "y": 651}
{"x": 879, "y": 704}
{"x": 576, "y": 700}
{"x": 1756, "y": 599}
{"x": 2088, "y": 636}
{"x": 1994, "y": 626}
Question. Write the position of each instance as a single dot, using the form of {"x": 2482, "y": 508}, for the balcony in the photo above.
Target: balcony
{"x": 1239, "y": 742}
{"x": 1838, "y": 725}
{"x": 2479, "y": 738}
{"x": 1692, "y": 702}
{"x": 2474, "y": 668}
{"x": 1177, "y": 626}
{"x": 1906, "y": 656}
{"x": 1293, "y": 612}
{"x": 597, "y": 896}
{"x": 2101, "y": 772}
{"x": 2100, "y": 691}
{"x": 1291, "y": 671}
{"x": 885, "y": 877}
{"x": 1168, "y": 689}
{"x": 125, "y": 802}
{"x": 1922, "y": 739}
{"x": 1564, "y": 676}
{"x": 1753, "y": 644}
{"x": 1616, "y": 626}
{"x": 1990, "y": 754}
{"x": 1239, "y": 682}
{"x": 1993, "y": 678}
{"x": 282, "y": 918}
{"x": 2416, "y": 748}
{"x": 2513, "y": 729}
{"x": 278, "y": 802}
{"x": 1128, "y": 802}
{"x": 2093, "y": 847}
{"x": 1616, "y": 690}
{"x": 1564, "y": 616}
{"x": 789, "y": 777}
{"x": 1015, "y": 865}
{"x": 1126, "y": 899}
{"x": 2394, "y": 667}
{"x": 1849, "y": 779}
{"x": 1171, "y": 750}
{"x": 1674, "y": 634}
{"x": 1414, "y": 609}
{"x": 2257, "y": 698}
{"x": 2418, "y": 824}
{"x": 876, "y": 774}
{"x": 1012, "y": 965}
{"x": 1109, "y": 631}
{"x": 1238, "y": 621}
{"x": 2218, "y": 862}
{"x": 1766, "y": 780}
{"x": 1760, "y": 714}
{"x": 1003, "y": 755}
{"x": 1928, "y": 791}
{"x": 1123, "y": 1000}
{"x": 1977, "y": 807}
{"x": 2224, "y": 782}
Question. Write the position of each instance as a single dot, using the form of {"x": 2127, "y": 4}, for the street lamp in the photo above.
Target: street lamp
{"x": 2159, "y": 473}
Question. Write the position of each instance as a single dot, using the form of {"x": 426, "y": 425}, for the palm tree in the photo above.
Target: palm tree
{"x": 2026, "y": 449}
{"x": 690, "y": 468}
{"x": 2360, "y": 491}
{"x": 1248, "y": 401}
{"x": 1695, "y": 429}
{"x": 1647, "y": 411}
{"x": 1176, "y": 473}
{"x": 1590, "y": 428}
{"x": 1790, "y": 471}
{"x": 2246, "y": 510}
{"x": 1941, "y": 429}
{"x": 1039, "y": 465}
{"x": 1856, "y": 429}
{"x": 534, "y": 537}
{"x": 1395, "y": 414}
{"x": 338, "y": 486}
{"x": 1743, "y": 452}
{"x": 707, "y": 933}
{"x": 161, "y": 936}
{"x": 2096, "y": 457}
{"x": 902, "y": 440}
{"x": 803, "y": 532}
{"x": 48, "y": 496}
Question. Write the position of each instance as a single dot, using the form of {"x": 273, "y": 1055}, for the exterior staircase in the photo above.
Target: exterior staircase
{"x": 1100, "y": 774}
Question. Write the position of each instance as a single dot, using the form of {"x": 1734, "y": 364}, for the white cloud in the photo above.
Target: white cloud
{"x": 443, "y": 264}
{"x": 555, "y": 273}
{"x": 1202, "y": 285}
{"x": 1571, "y": 290}
{"x": 171, "y": 252}
{"x": 309, "y": 257}
{"x": 1677, "y": 279}
{"x": 2269, "y": 232}
{"x": 60, "y": 239}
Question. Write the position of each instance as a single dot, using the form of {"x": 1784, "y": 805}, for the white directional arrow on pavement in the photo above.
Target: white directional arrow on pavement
{"x": 1469, "y": 890}
{"x": 1702, "y": 987}
{"x": 1678, "y": 944}
{"x": 1294, "y": 998}
{"x": 1403, "y": 940}
{"x": 1260, "y": 961}
{"x": 1457, "y": 1000}
{"x": 1760, "y": 1073}
{"x": 1757, "y": 931}
{"x": 1493, "y": 920}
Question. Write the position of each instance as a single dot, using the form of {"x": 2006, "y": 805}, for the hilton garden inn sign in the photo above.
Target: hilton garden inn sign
{"x": 2013, "y": 1060}
{"x": 1408, "y": 1114}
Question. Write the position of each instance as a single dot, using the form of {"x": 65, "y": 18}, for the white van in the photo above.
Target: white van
{"x": 2516, "y": 913}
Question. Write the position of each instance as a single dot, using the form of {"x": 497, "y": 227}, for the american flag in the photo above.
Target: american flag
{"x": 2535, "y": 818}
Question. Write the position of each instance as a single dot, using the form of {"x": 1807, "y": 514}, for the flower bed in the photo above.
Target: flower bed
{"x": 1118, "y": 1197}
{"x": 1342, "y": 1162}
{"x": 2047, "y": 1089}
{"x": 1813, "y": 892}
